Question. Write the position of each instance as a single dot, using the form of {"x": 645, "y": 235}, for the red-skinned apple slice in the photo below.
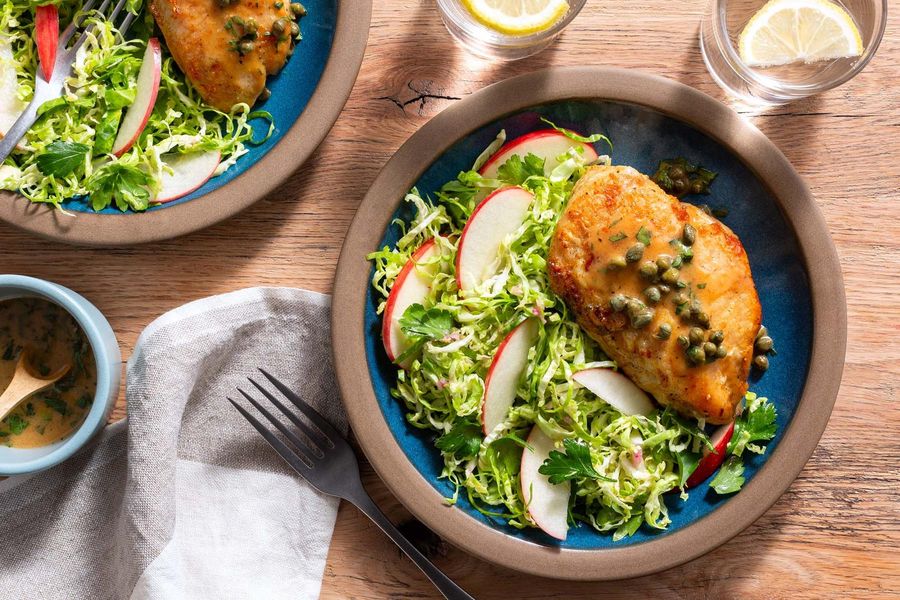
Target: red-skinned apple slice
{"x": 189, "y": 172}
{"x": 548, "y": 144}
{"x": 548, "y": 503}
{"x": 506, "y": 369}
{"x": 411, "y": 287}
{"x": 46, "y": 28}
{"x": 616, "y": 390}
{"x": 147, "y": 89}
{"x": 712, "y": 458}
{"x": 498, "y": 215}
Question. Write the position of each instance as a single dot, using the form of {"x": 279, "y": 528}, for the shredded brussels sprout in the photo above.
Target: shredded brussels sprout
{"x": 638, "y": 458}
{"x": 94, "y": 101}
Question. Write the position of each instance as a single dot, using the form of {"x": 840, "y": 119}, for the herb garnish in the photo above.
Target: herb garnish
{"x": 61, "y": 158}
{"x": 463, "y": 440}
{"x": 574, "y": 463}
{"x": 730, "y": 477}
{"x": 422, "y": 326}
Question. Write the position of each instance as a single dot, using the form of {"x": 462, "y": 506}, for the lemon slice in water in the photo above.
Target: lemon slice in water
{"x": 518, "y": 17}
{"x": 788, "y": 31}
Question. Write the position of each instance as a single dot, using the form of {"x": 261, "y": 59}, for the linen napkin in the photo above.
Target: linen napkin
{"x": 185, "y": 500}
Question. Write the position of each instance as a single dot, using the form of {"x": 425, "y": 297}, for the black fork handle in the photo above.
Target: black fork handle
{"x": 450, "y": 590}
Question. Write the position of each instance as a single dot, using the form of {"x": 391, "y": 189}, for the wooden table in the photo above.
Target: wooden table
{"x": 835, "y": 533}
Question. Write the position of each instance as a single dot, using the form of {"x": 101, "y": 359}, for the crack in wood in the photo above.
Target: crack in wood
{"x": 423, "y": 93}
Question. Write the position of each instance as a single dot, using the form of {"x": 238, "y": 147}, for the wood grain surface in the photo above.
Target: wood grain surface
{"x": 834, "y": 534}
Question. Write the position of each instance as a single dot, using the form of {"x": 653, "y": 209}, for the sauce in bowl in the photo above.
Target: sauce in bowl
{"x": 55, "y": 339}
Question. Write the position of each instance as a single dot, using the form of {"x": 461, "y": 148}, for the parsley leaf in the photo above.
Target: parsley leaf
{"x": 756, "y": 423}
{"x": 730, "y": 477}
{"x": 463, "y": 440}
{"x": 574, "y": 463}
{"x": 125, "y": 184}
{"x": 433, "y": 323}
{"x": 16, "y": 424}
{"x": 61, "y": 158}
{"x": 643, "y": 236}
{"x": 516, "y": 171}
{"x": 57, "y": 405}
{"x": 687, "y": 464}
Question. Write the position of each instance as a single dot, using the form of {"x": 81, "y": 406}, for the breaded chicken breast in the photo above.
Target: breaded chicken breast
{"x": 205, "y": 40}
{"x": 688, "y": 341}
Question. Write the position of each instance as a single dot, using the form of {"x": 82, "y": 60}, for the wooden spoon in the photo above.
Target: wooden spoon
{"x": 26, "y": 382}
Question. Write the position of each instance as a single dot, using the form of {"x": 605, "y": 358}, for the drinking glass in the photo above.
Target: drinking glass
{"x": 489, "y": 43}
{"x": 725, "y": 19}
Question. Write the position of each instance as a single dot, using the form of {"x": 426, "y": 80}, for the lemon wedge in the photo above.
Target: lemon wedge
{"x": 517, "y": 17}
{"x": 788, "y": 31}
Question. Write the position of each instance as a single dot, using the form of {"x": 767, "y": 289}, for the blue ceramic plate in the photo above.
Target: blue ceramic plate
{"x": 642, "y": 134}
{"x": 307, "y": 96}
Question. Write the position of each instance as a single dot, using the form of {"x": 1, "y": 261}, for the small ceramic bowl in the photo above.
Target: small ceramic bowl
{"x": 19, "y": 461}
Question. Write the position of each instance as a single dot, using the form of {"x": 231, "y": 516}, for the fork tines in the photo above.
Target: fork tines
{"x": 70, "y": 31}
{"x": 316, "y": 435}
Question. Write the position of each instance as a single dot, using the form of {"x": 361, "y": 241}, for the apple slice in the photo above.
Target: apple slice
{"x": 189, "y": 172}
{"x": 712, "y": 458}
{"x": 498, "y": 215}
{"x": 503, "y": 376}
{"x": 46, "y": 29}
{"x": 11, "y": 107}
{"x": 548, "y": 144}
{"x": 147, "y": 88}
{"x": 616, "y": 390}
{"x": 411, "y": 287}
{"x": 547, "y": 503}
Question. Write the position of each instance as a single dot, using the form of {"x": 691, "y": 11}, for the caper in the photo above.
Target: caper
{"x": 663, "y": 289}
{"x": 664, "y": 262}
{"x": 697, "y": 187}
{"x": 635, "y": 307}
{"x": 695, "y": 335}
{"x": 635, "y": 253}
{"x": 616, "y": 263}
{"x": 676, "y": 172}
{"x": 688, "y": 235}
{"x": 295, "y": 29}
{"x": 764, "y": 344}
{"x": 618, "y": 302}
{"x": 696, "y": 355}
{"x": 652, "y": 294}
{"x": 680, "y": 185}
{"x": 670, "y": 276}
{"x": 703, "y": 319}
{"x": 679, "y": 298}
{"x": 279, "y": 26}
{"x": 762, "y": 331}
{"x": 696, "y": 308}
{"x": 642, "y": 319}
{"x": 223, "y": 3}
{"x": 246, "y": 47}
{"x": 648, "y": 270}
{"x": 265, "y": 94}
{"x": 683, "y": 341}
{"x": 664, "y": 331}
{"x": 716, "y": 337}
{"x": 721, "y": 352}
{"x": 761, "y": 362}
{"x": 709, "y": 349}
{"x": 298, "y": 9}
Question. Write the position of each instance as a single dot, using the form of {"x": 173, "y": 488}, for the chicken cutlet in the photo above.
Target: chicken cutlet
{"x": 226, "y": 51}
{"x": 664, "y": 288}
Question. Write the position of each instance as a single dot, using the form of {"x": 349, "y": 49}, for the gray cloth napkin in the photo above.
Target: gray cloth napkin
{"x": 185, "y": 500}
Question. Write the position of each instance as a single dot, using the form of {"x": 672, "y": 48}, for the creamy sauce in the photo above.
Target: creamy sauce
{"x": 55, "y": 339}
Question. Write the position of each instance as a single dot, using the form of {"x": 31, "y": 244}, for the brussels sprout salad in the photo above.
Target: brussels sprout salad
{"x": 608, "y": 469}
{"x": 69, "y": 151}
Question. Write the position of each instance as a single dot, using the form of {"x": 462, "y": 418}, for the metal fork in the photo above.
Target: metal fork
{"x": 325, "y": 459}
{"x": 65, "y": 58}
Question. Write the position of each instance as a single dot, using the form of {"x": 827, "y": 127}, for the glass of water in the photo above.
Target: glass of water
{"x": 726, "y": 20}
{"x": 490, "y": 43}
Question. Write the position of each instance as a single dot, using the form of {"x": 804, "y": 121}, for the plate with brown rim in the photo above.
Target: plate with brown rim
{"x": 307, "y": 97}
{"x": 793, "y": 259}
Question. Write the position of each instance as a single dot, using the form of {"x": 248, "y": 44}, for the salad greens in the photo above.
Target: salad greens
{"x": 620, "y": 466}
{"x": 66, "y": 153}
